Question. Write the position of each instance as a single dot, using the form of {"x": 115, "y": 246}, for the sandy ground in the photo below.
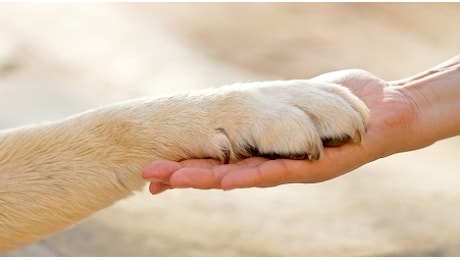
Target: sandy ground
{"x": 57, "y": 60}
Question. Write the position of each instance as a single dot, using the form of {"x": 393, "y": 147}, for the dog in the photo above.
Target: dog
{"x": 54, "y": 174}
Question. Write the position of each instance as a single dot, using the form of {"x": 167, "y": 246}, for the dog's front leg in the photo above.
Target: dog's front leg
{"x": 55, "y": 174}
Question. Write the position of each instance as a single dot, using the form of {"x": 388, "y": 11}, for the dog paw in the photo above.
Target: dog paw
{"x": 287, "y": 119}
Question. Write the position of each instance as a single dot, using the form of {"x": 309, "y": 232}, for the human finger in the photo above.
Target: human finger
{"x": 334, "y": 162}
{"x": 160, "y": 170}
{"x": 156, "y": 187}
{"x": 208, "y": 175}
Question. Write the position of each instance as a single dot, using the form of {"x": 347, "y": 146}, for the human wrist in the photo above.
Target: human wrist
{"x": 435, "y": 98}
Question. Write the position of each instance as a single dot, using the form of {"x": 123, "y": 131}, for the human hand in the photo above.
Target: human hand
{"x": 392, "y": 119}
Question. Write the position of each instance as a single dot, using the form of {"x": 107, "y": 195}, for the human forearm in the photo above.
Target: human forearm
{"x": 435, "y": 94}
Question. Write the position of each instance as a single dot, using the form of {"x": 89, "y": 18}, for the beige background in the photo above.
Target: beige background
{"x": 60, "y": 59}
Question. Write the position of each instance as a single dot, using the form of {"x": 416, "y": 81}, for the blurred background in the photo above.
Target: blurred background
{"x": 61, "y": 59}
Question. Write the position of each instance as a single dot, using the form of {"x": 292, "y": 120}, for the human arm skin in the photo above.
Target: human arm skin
{"x": 405, "y": 115}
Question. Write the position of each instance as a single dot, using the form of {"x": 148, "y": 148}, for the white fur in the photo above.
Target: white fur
{"x": 55, "y": 174}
